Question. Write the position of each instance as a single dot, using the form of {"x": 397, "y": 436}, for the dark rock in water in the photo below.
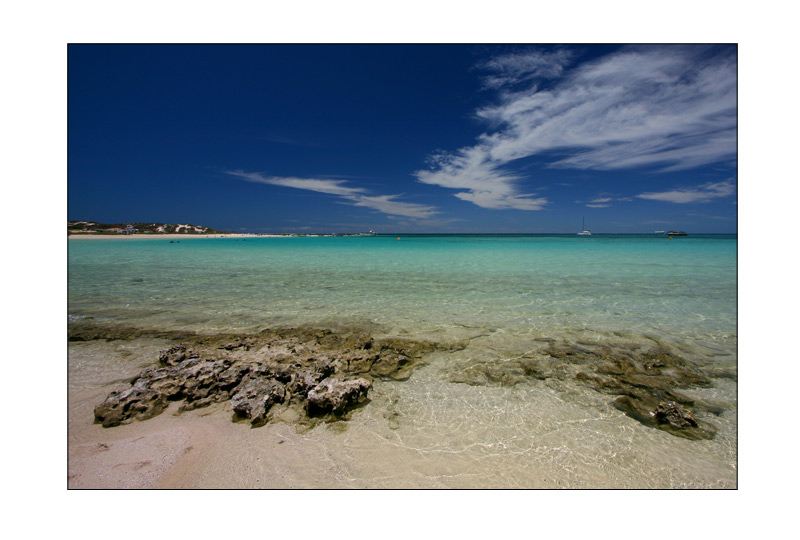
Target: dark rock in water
{"x": 391, "y": 365}
{"x": 647, "y": 381}
{"x": 723, "y": 372}
{"x": 491, "y": 374}
{"x": 606, "y": 385}
{"x": 316, "y": 373}
{"x": 673, "y": 414}
{"x": 643, "y": 378}
{"x": 88, "y": 331}
{"x": 667, "y": 416}
{"x": 336, "y": 395}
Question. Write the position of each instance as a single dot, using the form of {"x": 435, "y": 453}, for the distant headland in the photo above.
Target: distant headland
{"x": 93, "y": 227}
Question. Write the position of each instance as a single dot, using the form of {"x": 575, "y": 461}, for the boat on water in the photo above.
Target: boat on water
{"x": 676, "y": 233}
{"x": 584, "y": 231}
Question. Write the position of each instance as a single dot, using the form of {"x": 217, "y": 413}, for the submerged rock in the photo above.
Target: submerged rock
{"x": 665, "y": 415}
{"x": 646, "y": 380}
{"x": 673, "y": 414}
{"x": 491, "y": 374}
{"x": 88, "y": 331}
{"x": 310, "y": 373}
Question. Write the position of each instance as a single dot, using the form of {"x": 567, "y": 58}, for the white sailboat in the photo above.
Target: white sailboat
{"x": 584, "y": 232}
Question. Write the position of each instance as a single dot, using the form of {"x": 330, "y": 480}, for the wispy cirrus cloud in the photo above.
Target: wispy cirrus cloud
{"x": 721, "y": 218}
{"x": 280, "y": 139}
{"x": 513, "y": 68}
{"x": 389, "y": 205}
{"x": 603, "y": 201}
{"x": 352, "y": 195}
{"x": 700, "y": 194}
{"x": 331, "y": 187}
{"x": 662, "y": 107}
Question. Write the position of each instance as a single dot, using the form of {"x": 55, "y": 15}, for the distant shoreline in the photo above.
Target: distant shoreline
{"x": 181, "y": 236}
{"x": 84, "y": 236}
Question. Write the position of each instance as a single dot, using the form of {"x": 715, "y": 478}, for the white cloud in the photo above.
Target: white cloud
{"x": 669, "y": 107}
{"x": 517, "y": 67}
{"x": 699, "y": 194}
{"x": 485, "y": 185}
{"x": 355, "y": 196}
{"x": 603, "y": 201}
{"x": 332, "y": 187}
{"x": 388, "y": 205}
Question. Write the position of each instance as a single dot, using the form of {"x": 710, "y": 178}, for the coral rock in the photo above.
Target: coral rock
{"x": 336, "y": 395}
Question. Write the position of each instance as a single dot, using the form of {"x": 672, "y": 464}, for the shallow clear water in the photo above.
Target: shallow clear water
{"x": 502, "y": 293}
{"x": 681, "y": 287}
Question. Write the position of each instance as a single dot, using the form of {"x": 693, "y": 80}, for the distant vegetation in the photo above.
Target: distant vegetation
{"x": 92, "y": 227}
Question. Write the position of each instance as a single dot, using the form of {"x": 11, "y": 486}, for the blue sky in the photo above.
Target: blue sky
{"x": 405, "y": 138}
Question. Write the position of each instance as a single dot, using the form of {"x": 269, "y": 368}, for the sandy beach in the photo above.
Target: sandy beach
{"x": 196, "y": 449}
{"x": 203, "y": 449}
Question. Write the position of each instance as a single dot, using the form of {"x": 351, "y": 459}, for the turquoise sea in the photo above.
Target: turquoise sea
{"x": 503, "y": 294}
{"x": 683, "y": 288}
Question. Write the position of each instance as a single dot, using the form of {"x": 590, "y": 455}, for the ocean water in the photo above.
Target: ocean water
{"x": 503, "y": 295}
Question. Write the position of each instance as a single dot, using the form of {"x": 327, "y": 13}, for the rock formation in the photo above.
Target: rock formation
{"x": 322, "y": 375}
{"x": 646, "y": 381}
{"x": 319, "y": 373}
